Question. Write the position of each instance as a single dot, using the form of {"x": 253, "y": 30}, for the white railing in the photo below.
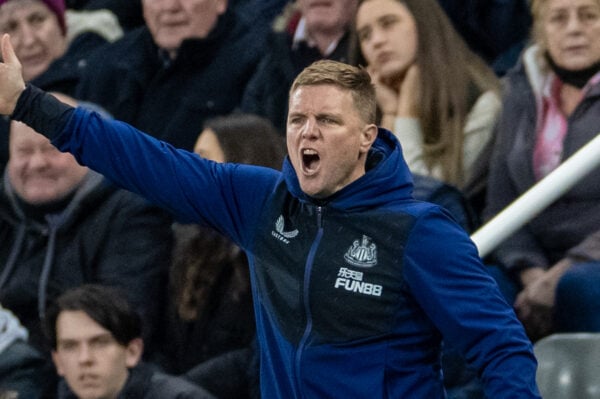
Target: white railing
{"x": 538, "y": 197}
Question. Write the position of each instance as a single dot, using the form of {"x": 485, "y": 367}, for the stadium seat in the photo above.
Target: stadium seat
{"x": 569, "y": 366}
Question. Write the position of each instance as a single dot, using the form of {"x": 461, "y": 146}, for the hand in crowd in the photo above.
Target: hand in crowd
{"x": 398, "y": 98}
{"x": 409, "y": 93}
{"x": 11, "y": 79}
{"x": 534, "y": 304}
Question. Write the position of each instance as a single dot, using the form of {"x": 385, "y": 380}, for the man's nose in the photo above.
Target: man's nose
{"x": 310, "y": 128}
{"x": 85, "y": 354}
{"x": 38, "y": 160}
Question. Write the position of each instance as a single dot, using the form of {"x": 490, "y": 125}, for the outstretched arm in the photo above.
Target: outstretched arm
{"x": 11, "y": 77}
{"x": 227, "y": 197}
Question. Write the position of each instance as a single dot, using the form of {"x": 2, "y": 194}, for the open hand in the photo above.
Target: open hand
{"x": 535, "y": 303}
{"x": 11, "y": 78}
{"x": 387, "y": 96}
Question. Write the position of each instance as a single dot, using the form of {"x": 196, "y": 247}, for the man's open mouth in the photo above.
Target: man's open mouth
{"x": 310, "y": 160}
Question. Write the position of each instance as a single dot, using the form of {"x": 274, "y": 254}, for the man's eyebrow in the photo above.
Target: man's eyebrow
{"x": 296, "y": 113}
{"x": 92, "y": 338}
{"x": 66, "y": 340}
{"x": 102, "y": 336}
{"x": 335, "y": 115}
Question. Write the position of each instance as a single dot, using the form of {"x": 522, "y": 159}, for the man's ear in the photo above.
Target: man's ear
{"x": 57, "y": 363}
{"x": 133, "y": 352}
{"x": 368, "y": 136}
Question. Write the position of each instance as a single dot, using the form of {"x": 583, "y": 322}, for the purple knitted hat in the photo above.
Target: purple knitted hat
{"x": 56, "y": 6}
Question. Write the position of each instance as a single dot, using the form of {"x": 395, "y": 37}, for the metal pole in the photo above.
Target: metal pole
{"x": 538, "y": 197}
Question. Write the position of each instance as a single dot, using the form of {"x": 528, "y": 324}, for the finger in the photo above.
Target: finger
{"x": 373, "y": 72}
{"x": 524, "y": 310}
{"x": 519, "y": 301}
{"x": 8, "y": 53}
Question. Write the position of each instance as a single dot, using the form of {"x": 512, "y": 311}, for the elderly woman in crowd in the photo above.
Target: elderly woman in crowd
{"x": 52, "y": 44}
{"x": 551, "y": 109}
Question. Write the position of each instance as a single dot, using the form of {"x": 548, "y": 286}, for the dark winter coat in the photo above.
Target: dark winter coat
{"x": 146, "y": 383}
{"x": 170, "y": 99}
{"x": 267, "y": 92}
{"x": 104, "y": 235}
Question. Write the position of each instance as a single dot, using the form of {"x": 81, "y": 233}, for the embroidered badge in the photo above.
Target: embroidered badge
{"x": 362, "y": 253}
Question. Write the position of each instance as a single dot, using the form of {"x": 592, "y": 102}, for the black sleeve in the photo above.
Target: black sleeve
{"x": 42, "y": 112}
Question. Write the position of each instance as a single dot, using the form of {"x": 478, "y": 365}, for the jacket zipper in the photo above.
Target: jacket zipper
{"x": 305, "y": 299}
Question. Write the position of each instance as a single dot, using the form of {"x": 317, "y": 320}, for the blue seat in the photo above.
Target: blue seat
{"x": 569, "y": 366}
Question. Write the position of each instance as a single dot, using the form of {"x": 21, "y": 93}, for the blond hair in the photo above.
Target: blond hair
{"x": 354, "y": 79}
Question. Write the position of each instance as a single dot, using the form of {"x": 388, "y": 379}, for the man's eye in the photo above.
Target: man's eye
{"x": 67, "y": 346}
{"x": 328, "y": 121}
{"x": 101, "y": 342}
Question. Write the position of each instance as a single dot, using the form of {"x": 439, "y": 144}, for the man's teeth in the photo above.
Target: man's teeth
{"x": 309, "y": 152}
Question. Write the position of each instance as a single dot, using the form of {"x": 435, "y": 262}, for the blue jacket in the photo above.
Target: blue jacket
{"x": 352, "y": 295}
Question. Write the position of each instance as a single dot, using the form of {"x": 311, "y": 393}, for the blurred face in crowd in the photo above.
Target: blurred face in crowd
{"x": 35, "y": 34}
{"x": 87, "y": 355}
{"x": 208, "y": 146}
{"x": 38, "y": 172}
{"x": 172, "y": 21}
{"x": 387, "y": 34}
{"x": 327, "y": 139}
{"x": 572, "y": 32}
{"x": 327, "y": 15}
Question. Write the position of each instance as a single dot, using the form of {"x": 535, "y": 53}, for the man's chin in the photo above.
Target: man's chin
{"x": 39, "y": 199}
{"x": 313, "y": 190}
{"x": 309, "y": 190}
{"x": 89, "y": 393}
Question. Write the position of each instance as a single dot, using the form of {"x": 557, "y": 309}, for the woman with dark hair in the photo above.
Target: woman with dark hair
{"x": 437, "y": 96}
{"x": 210, "y": 310}
{"x": 242, "y": 138}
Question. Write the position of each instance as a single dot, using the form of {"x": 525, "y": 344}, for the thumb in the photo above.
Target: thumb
{"x": 8, "y": 53}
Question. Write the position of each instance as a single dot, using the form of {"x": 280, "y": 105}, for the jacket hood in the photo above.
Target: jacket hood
{"x": 386, "y": 180}
{"x": 11, "y": 329}
{"x": 91, "y": 190}
{"x": 535, "y": 68}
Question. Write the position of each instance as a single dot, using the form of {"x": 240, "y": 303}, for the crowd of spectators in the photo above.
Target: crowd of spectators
{"x": 486, "y": 99}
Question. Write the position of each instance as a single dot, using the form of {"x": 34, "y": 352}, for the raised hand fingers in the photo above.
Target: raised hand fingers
{"x": 11, "y": 79}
